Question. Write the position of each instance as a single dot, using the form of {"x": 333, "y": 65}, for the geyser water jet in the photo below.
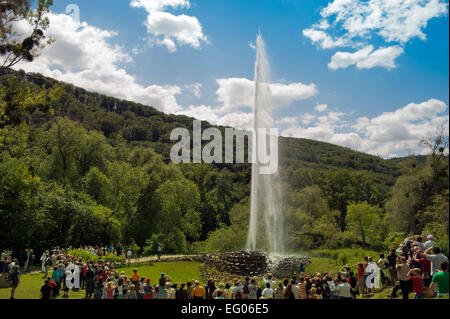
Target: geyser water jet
{"x": 266, "y": 226}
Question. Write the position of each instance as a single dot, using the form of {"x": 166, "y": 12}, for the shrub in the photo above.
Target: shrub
{"x": 86, "y": 256}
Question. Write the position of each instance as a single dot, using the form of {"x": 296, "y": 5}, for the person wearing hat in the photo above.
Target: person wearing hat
{"x": 198, "y": 292}
{"x": 171, "y": 290}
{"x": 162, "y": 280}
{"x": 148, "y": 289}
{"x": 430, "y": 242}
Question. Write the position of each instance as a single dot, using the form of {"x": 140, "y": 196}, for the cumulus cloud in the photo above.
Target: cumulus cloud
{"x": 196, "y": 89}
{"x": 353, "y": 23}
{"x": 323, "y": 39}
{"x": 389, "y": 134}
{"x": 321, "y": 108}
{"x": 366, "y": 58}
{"x": 236, "y": 92}
{"x": 82, "y": 55}
{"x": 170, "y": 30}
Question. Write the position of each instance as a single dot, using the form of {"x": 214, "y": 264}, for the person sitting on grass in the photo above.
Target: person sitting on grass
{"x": 440, "y": 279}
{"x": 404, "y": 280}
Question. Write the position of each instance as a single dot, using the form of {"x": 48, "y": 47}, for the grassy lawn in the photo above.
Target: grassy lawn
{"x": 331, "y": 260}
{"x": 30, "y": 284}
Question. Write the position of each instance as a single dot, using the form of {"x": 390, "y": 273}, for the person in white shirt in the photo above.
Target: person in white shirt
{"x": 267, "y": 293}
{"x": 269, "y": 278}
{"x": 237, "y": 288}
{"x": 436, "y": 259}
{"x": 345, "y": 290}
{"x": 43, "y": 258}
{"x": 2, "y": 261}
{"x": 430, "y": 242}
{"x": 295, "y": 289}
{"x": 416, "y": 239}
{"x": 253, "y": 289}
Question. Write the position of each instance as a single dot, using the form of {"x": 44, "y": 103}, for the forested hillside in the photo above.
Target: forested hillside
{"x": 78, "y": 168}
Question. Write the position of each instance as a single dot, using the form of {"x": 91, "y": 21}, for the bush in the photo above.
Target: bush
{"x": 225, "y": 239}
{"x": 394, "y": 239}
{"x": 86, "y": 256}
{"x": 173, "y": 243}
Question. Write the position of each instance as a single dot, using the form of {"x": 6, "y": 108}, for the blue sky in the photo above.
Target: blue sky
{"x": 381, "y": 81}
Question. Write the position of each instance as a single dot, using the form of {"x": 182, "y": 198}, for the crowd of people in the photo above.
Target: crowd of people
{"x": 416, "y": 266}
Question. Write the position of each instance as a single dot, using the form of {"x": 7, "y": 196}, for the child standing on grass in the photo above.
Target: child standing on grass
{"x": 135, "y": 278}
{"x": 416, "y": 278}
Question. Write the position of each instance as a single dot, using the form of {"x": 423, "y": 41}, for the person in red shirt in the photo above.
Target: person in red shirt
{"x": 416, "y": 278}
{"x": 361, "y": 280}
{"x": 426, "y": 268}
{"x": 53, "y": 285}
{"x": 83, "y": 275}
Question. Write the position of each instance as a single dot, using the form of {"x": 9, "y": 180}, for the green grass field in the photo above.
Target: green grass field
{"x": 30, "y": 284}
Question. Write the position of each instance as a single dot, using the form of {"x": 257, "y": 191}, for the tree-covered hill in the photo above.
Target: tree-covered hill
{"x": 80, "y": 168}
{"x": 141, "y": 123}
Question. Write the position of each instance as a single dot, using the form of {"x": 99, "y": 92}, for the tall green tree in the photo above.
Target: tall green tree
{"x": 366, "y": 222}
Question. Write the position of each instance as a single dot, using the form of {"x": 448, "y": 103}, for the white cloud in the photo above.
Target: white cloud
{"x": 215, "y": 116}
{"x": 196, "y": 89}
{"x": 323, "y": 39}
{"x": 366, "y": 58}
{"x": 353, "y": 23}
{"x": 321, "y": 108}
{"x": 82, "y": 55}
{"x": 395, "y": 21}
{"x": 409, "y": 123}
{"x": 167, "y": 29}
{"x": 236, "y": 92}
{"x": 391, "y": 133}
{"x": 288, "y": 120}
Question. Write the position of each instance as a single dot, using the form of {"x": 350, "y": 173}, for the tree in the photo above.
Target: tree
{"x": 365, "y": 220}
{"x": 15, "y": 46}
{"x": 311, "y": 202}
{"x": 412, "y": 205}
{"x": 178, "y": 202}
{"x": 18, "y": 99}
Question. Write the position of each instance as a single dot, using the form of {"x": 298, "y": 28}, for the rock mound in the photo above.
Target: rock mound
{"x": 255, "y": 263}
